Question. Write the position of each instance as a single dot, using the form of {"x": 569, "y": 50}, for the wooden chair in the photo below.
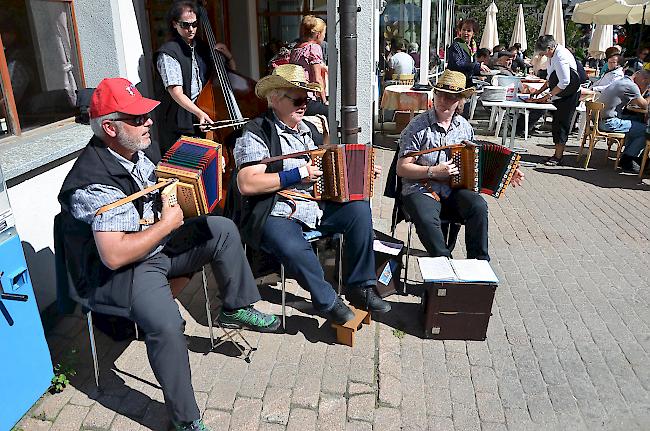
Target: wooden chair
{"x": 404, "y": 78}
{"x": 644, "y": 157}
{"x": 593, "y": 134}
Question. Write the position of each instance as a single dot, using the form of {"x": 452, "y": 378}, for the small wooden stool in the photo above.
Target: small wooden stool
{"x": 345, "y": 332}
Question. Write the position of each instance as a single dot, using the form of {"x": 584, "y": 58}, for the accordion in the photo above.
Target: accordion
{"x": 197, "y": 165}
{"x": 486, "y": 168}
{"x": 348, "y": 172}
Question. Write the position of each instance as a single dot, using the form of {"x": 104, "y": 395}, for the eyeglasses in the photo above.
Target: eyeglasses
{"x": 136, "y": 120}
{"x": 298, "y": 102}
{"x": 186, "y": 25}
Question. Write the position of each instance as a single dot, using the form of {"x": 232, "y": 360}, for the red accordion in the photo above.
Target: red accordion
{"x": 348, "y": 172}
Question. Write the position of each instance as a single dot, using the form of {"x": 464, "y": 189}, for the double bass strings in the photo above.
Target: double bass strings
{"x": 220, "y": 67}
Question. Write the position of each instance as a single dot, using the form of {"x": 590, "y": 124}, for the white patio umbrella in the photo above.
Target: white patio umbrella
{"x": 519, "y": 32}
{"x": 601, "y": 39}
{"x": 553, "y": 22}
{"x": 490, "y": 37}
{"x": 612, "y": 12}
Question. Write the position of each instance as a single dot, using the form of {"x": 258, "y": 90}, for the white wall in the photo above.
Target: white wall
{"x": 34, "y": 204}
{"x": 244, "y": 38}
{"x": 109, "y": 38}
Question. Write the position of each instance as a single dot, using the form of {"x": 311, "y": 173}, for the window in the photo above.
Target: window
{"x": 41, "y": 61}
{"x": 279, "y": 24}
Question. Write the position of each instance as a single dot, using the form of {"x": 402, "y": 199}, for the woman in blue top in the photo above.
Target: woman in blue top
{"x": 460, "y": 54}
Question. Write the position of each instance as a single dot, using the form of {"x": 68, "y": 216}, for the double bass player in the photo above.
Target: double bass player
{"x": 185, "y": 66}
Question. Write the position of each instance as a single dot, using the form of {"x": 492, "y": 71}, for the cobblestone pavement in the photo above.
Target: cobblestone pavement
{"x": 567, "y": 345}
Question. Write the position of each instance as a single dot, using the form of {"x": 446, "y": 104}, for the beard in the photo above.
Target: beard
{"x": 130, "y": 142}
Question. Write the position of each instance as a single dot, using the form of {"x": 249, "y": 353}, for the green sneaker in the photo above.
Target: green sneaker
{"x": 196, "y": 425}
{"x": 249, "y": 318}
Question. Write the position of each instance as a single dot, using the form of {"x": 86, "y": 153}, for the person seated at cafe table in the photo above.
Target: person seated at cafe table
{"x": 504, "y": 63}
{"x": 614, "y": 74}
{"x": 627, "y": 90}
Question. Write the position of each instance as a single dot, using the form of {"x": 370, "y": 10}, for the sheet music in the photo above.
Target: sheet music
{"x": 436, "y": 269}
{"x": 462, "y": 270}
{"x": 473, "y": 270}
{"x": 386, "y": 247}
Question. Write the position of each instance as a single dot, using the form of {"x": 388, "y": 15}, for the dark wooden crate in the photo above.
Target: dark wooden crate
{"x": 457, "y": 311}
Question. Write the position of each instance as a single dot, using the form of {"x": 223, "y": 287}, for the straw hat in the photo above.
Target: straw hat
{"x": 285, "y": 76}
{"x": 454, "y": 83}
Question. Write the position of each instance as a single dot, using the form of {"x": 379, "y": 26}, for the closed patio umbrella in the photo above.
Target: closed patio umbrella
{"x": 519, "y": 32}
{"x": 553, "y": 22}
{"x": 490, "y": 37}
{"x": 602, "y": 38}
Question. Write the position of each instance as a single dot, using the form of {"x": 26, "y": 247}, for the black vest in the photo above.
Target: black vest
{"x": 172, "y": 116}
{"x": 106, "y": 291}
{"x": 250, "y": 212}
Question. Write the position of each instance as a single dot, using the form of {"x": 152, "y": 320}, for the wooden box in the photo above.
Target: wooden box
{"x": 457, "y": 311}
{"x": 388, "y": 266}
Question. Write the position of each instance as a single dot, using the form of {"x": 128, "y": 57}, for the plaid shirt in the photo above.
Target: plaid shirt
{"x": 424, "y": 132}
{"x": 251, "y": 148}
{"x": 85, "y": 202}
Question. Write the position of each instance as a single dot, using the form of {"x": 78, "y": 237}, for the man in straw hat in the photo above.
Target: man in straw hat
{"x": 425, "y": 179}
{"x": 120, "y": 260}
{"x": 275, "y": 224}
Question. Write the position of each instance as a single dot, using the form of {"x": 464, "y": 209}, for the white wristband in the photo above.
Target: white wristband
{"x": 304, "y": 172}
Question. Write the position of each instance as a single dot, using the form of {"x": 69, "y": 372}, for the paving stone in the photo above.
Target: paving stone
{"x": 331, "y": 412}
{"x": 358, "y": 426}
{"x": 360, "y": 388}
{"x": 50, "y": 405}
{"x": 276, "y": 404}
{"x": 484, "y": 379}
{"x": 465, "y": 417}
{"x": 387, "y": 419}
{"x": 216, "y": 419}
{"x": 32, "y": 424}
{"x": 306, "y": 392}
{"x": 102, "y": 413}
{"x": 245, "y": 414}
{"x": 124, "y": 423}
{"x": 489, "y": 407}
{"x": 361, "y": 407}
{"x": 302, "y": 420}
{"x": 390, "y": 391}
{"x": 440, "y": 423}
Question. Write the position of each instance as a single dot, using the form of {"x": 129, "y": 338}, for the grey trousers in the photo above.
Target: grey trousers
{"x": 199, "y": 241}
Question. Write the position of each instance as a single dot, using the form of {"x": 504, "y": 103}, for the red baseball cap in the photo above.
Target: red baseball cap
{"x": 119, "y": 95}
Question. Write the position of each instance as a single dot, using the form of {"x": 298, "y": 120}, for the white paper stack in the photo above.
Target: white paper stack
{"x": 457, "y": 270}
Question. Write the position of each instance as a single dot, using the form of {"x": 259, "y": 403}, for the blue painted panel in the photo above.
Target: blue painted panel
{"x": 25, "y": 364}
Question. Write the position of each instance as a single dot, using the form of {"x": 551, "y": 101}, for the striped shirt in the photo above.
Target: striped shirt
{"x": 85, "y": 202}
{"x": 424, "y": 132}
{"x": 251, "y": 148}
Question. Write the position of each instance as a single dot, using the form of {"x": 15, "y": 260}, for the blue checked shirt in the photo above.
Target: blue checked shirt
{"x": 424, "y": 132}
{"x": 170, "y": 72}
{"x": 85, "y": 202}
{"x": 251, "y": 148}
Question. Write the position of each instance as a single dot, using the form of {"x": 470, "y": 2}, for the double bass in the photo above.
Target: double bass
{"x": 230, "y": 96}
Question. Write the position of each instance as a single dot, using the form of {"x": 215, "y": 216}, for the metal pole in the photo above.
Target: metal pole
{"x": 425, "y": 41}
{"x": 349, "y": 113}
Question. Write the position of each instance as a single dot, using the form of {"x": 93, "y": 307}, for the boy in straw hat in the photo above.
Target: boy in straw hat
{"x": 425, "y": 179}
{"x": 275, "y": 224}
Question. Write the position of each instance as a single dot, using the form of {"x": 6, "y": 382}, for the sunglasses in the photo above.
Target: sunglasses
{"x": 137, "y": 120}
{"x": 186, "y": 25}
{"x": 297, "y": 102}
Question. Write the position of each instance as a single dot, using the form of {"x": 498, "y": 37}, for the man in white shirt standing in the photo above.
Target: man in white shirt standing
{"x": 401, "y": 63}
{"x": 564, "y": 82}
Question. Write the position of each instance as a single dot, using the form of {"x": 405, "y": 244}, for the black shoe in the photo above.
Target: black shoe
{"x": 340, "y": 313}
{"x": 367, "y": 299}
{"x": 628, "y": 164}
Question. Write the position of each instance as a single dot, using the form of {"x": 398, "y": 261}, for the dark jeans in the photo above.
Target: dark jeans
{"x": 199, "y": 241}
{"x": 426, "y": 212}
{"x": 283, "y": 239}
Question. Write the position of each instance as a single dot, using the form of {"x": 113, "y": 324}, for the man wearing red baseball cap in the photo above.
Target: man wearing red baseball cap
{"x": 120, "y": 260}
